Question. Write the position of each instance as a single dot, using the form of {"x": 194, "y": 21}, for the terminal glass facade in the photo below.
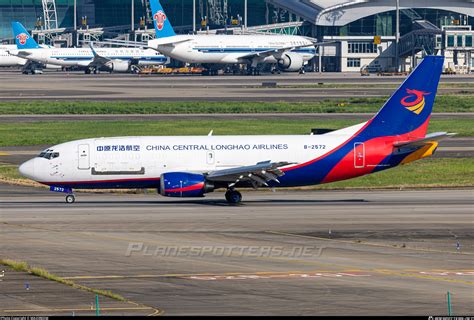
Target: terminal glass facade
{"x": 384, "y": 24}
{"x": 107, "y": 13}
{"x": 28, "y": 12}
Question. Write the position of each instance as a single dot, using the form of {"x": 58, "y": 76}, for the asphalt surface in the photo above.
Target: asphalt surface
{"x": 24, "y": 294}
{"x": 291, "y": 87}
{"x": 283, "y": 253}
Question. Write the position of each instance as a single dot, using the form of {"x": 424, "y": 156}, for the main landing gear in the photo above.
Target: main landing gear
{"x": 233, "y": 196}
{"x": 70, "y": 198}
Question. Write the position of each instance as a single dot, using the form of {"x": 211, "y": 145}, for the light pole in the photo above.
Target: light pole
{"x": 245, "y": 11}
{"x": 74, "y": 34}
{"x": 194, "y": 16}
{"x": 133, "y": 15}
{"x": 75, "y": 15}
{"x": 397, "y": 38}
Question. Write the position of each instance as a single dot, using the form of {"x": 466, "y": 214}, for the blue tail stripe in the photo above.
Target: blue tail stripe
{"x": 23, "y": 39}
{"x": 417, "y": 92}
{"x": 161, "y": 21}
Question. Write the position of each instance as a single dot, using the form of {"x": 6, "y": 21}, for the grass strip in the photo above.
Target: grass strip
{"x": 444, "y": 103}
{"x": 22, "y": 266}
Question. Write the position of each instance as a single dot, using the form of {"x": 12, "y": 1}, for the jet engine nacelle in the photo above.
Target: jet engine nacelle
{"x": 291, "y": 62}
{"x": 118, "y": 66}
{"x": 184, "y": 185}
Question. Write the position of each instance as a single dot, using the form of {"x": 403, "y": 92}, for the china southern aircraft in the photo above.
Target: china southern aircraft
{"x": 194, "y": 166}
{"x": 291, "y": 53}
{"x": 9, "y": 60}
{"x": 109, "y": 59}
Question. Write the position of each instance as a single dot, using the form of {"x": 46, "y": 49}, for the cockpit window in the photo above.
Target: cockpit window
{"x": 48, "y": 154}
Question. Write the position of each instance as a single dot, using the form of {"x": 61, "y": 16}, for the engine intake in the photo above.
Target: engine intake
{"x": 184, "y": 185}
{"x": 118, "y": 65}
{"x": 291, "y": 62}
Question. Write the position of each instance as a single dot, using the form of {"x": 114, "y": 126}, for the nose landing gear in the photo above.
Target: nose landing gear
{"x": 70, "y": 198}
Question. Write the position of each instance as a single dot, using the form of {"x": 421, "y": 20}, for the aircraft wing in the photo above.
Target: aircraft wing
{"x": 19, "y": 53}
{"x": 152, "y": 44}
{"x": 98, "y": 60}
{"x": 280, "y": 51}
{"x": 422, "y": 142}
{"x": 167, "y": 41}
{"x": 258, "y": 175}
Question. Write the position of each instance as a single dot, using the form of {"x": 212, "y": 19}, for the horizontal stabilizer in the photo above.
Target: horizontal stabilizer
{"x": 438, "y": 136}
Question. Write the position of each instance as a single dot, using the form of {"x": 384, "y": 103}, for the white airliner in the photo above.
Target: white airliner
{"x": 194, "y": 166}
{"x": 291, "y": 53}
{"x": 9, "y": 60}
{"x": 92, "y": 60}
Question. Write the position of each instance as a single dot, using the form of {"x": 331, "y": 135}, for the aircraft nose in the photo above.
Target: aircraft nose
{"x": 27, "y": 169}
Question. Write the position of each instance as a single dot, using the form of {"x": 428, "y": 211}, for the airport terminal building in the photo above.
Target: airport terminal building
{"x": 363, "y": 33}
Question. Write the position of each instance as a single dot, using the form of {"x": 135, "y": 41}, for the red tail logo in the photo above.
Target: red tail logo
{"x": 160, "y": 18}
{"x": 22, "y": 37}
{"x": 415, "y": 100}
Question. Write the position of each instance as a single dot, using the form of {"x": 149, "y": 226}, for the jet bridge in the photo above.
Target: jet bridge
{"x": 421, "y": 39}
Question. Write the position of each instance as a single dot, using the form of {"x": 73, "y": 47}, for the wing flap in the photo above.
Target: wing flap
{"x": 98, "y": 60}
{"x": 258, "y": 175}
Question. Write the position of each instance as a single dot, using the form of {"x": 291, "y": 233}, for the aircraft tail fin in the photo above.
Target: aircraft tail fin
{"x": 23, "y": 39}
{"x": 409, "y": 109}
{"x": 161, "y": 22}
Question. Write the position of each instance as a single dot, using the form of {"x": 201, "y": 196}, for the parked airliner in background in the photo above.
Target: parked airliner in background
{"x": 291, "y": 53}
{"x": 9, "y": 60}
{"x": 91, "y": 60}
{"x": 194, "y": 166}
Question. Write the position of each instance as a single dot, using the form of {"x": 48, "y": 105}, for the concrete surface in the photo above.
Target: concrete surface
{"x": 283, "y": 253}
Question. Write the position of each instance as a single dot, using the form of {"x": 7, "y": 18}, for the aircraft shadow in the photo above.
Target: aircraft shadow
{"x": 203, "y": 202}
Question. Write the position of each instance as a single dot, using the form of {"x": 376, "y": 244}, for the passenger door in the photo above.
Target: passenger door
{"x": 359, "y": 155}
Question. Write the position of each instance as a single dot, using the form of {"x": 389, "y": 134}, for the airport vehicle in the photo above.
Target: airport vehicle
{"x": 90, "y": 59}
{"x": 194, "y": 166}
{"x": 290, "y": 53}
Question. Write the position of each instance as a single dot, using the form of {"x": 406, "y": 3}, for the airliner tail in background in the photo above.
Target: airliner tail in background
{"x": 161, "y": 21}
{"x": 23, "y": 39}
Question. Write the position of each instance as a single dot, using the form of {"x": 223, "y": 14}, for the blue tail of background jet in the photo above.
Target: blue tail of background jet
{"x": 23, "y": 39}
{"x": 160, "y": 19}
{"x": 409, "y": 109}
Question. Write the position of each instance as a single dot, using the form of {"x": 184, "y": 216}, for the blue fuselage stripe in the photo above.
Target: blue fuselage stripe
{"x": 248, "y": 50}
{"x": 154, "y": 58}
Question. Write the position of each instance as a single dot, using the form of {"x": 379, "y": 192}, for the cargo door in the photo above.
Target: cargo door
{"x": 84, "y": 157}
